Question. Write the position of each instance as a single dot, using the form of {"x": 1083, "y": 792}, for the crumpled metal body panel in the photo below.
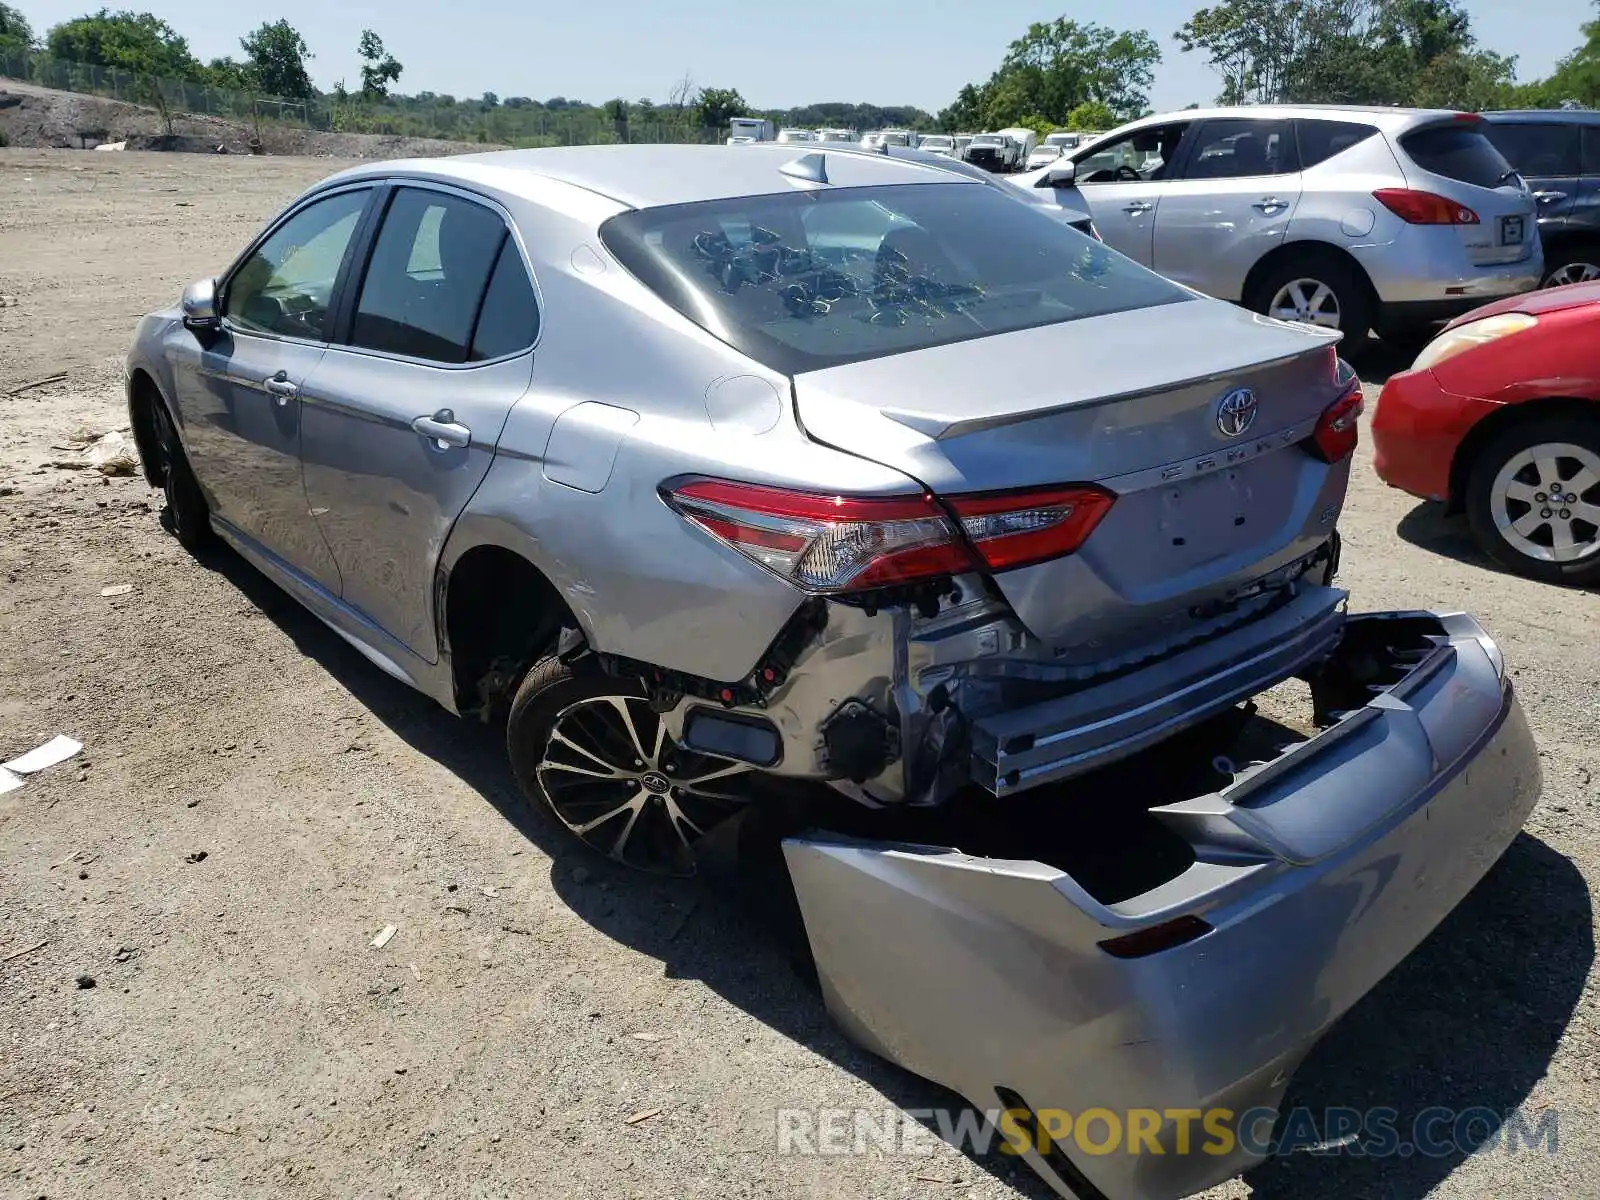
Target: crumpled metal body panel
{"x": 1318, "y": 873}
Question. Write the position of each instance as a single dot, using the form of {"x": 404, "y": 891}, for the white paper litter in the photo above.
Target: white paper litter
{"x": 57, "y": 749}
{"x": 384, "y": 934}
{"x": 8, "y": 781}
{"x": 117, "y": 589}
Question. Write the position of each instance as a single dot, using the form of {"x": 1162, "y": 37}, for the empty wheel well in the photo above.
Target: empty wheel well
{"x": 501, "y": 615}
{"x": 1305, "y": 252}
{"x": 143, "y": 394}
{"x": 1486, "y": 430}
{"x": 1561, "y": 248}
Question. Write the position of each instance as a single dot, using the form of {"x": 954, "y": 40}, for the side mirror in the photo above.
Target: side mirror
{"x": 200, "y": 306}
{"x": 1062, "y": 173}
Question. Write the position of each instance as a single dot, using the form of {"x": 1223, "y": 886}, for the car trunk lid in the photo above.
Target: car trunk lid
{"x": 1212, "y": 492}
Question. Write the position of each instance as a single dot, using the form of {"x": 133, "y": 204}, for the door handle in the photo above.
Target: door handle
{"x": 280, "y": 387}
{"x": 1270, "y": 204}
{"x": 1549, "y": 197}
{"x": 1139, "y": 206}
{"x": 441, "y": 430}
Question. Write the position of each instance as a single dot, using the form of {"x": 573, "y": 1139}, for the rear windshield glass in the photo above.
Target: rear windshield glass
{"x": 805, "y": 280}
{"x": 1459, "y": 152}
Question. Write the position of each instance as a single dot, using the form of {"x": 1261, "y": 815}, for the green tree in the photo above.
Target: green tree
{"x": 138, "y": 42}
{"x": 967, "y": 111}
{"x": 278, "y": 56}
{"x": 1411, "y": 52}
{"x": 380, "y": 68}
{"x": 716, "y": 106}
{"x": 229, "y": 75}
{"x": 1092, "y": 115}
{"x": 16, "y": 35}
{"x": 1057, "y": 65}
{"x": 1576, "y": 79}
{"x": 490, "y": 100}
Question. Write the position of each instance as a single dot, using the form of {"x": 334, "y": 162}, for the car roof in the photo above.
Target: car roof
{"x": 1389, "y": 119}
{"x": 651, "y": 176}
{"x": 1519, "y": 116}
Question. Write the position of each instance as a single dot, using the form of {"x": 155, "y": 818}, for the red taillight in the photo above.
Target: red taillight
{"x": 828, "y": 543}
{"x": 1424, "y": 208}
{"x": 1014, "y": 529}
{"x": 1338, "y": 429}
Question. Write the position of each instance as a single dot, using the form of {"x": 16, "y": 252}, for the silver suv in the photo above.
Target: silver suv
{"x": 1353, "y": 218}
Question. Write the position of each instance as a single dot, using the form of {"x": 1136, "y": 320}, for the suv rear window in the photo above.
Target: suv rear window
{"x": 805, "y": 280}
{"x": 1459, "y": 152}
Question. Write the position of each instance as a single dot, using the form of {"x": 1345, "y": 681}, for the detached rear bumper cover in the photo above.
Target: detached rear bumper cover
{"x": 1318, "y": 874}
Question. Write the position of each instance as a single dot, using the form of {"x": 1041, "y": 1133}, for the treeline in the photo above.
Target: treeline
{"x": 274, "y": 59}
{"x": 1414, "y": 53}
{"x": 1081, "y": 75}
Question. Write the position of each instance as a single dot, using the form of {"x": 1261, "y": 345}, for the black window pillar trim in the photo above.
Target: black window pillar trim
{"x": 353, "y": 271}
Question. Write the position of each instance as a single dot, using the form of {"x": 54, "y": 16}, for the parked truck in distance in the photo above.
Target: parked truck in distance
{"x": 744, "y": 130}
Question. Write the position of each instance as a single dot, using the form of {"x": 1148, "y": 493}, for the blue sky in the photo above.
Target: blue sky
{"x": 880, "y": 52}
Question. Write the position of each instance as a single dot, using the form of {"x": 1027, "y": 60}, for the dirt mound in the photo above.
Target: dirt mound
{"x": 40, "y": 118}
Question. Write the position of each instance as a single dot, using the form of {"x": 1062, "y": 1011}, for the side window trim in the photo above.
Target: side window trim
{"x": 373, "y": 224}
{"x": 238, "y": 264}
{"x": 347, "y": 289}
{"x": 1194, "y": 136}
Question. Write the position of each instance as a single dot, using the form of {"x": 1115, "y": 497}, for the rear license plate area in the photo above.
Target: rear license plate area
{"x": 1512, "y": 230}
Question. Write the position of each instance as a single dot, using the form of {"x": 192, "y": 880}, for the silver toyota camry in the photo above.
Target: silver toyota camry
{"x": 723, "y": 474}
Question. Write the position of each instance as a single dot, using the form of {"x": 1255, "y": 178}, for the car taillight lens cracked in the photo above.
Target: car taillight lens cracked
{"x": 1338, "y": 429}
{"x": 826, "y": 544}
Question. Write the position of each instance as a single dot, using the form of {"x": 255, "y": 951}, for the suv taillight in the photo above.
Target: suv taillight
{"x": 1424, "y": 208}
{"x": 826, "y": 544}
{"x": 1338, "y": 428}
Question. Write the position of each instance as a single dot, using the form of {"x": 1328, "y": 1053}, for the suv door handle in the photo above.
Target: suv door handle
{"x": 441, "y": 430}
{"x": 1549, "y": 197}
{"x": 1139, "y": 206}
{"x": 1270, "y": 204}
{"x": 280, "y": 387}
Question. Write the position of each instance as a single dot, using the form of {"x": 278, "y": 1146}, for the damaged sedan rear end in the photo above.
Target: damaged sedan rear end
{"x": 854, "y": 493}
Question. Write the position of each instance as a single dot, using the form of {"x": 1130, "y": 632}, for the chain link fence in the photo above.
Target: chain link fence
{"x": 402, "y": 116}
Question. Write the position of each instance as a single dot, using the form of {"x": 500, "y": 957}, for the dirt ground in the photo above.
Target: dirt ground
{"x": 538, "y": 1025}
{"x": 44, "y": 118}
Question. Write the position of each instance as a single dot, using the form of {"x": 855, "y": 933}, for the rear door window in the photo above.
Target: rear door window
{"x": 1458, "y": 151}
{"x": 509, "y": 322}
{"x": 1321, "y": 140}
{"x": 429, "y": 272}
{"x": 1537, "y": 150}
{"x": 1239, "y": 149}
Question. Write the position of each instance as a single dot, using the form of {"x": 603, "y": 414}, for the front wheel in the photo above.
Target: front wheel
{"x": 590, "y": 751}
{"x": 1533, "y": 499}
{"x": 187, "y": 514}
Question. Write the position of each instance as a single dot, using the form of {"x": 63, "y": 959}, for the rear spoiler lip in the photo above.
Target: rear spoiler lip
{"x": 940, "y": 428}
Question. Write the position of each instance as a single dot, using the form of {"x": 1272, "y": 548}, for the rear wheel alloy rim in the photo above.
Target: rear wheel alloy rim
{"x": 1574, "y": 272}
{"x": 614, "y": 777}
{"x": 1308, "y": 301}
{"x": 1544, "y": 502}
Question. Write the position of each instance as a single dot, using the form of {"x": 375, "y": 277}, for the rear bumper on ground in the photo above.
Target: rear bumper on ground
{"x": 1416, "y": 431}
{"x": 1317, "y": 875}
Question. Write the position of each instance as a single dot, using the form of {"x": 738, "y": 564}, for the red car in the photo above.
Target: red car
{"x": 1500, "y": 417}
